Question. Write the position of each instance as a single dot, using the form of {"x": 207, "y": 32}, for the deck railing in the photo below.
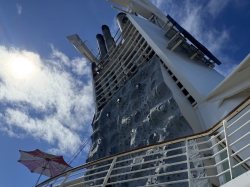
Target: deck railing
{"x": 215, "y": 156}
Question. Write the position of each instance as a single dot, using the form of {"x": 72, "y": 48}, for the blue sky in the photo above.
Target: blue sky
{"x": 48, "y": 105}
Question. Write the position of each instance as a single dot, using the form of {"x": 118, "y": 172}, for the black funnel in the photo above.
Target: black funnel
{"x": 101, "y": 45}
{"x": 121, "y": 20}
{"x": 109, "y": 40}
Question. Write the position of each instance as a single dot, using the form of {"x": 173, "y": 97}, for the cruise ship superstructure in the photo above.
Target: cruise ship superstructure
{"x": 163, "y": 115}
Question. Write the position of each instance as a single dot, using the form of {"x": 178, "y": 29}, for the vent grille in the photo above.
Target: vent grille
{"x": 179, "y": 84}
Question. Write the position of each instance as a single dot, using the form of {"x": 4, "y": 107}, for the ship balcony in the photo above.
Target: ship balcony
{"x": 219, "y": 156}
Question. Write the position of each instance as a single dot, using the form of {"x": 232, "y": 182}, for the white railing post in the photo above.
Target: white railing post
{"x": 188, "y": 166}
{"x": 229, "y": 150}
{"x": 66, "y": 177}
{"x": 217, "y": 159}
{"x": 109, "y": 172}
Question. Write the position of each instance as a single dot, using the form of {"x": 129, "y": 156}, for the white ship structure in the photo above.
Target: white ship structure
{"x": 163, "y": 115}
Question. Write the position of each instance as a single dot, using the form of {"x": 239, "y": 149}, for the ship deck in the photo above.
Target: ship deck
{"x": 223, "y": 164}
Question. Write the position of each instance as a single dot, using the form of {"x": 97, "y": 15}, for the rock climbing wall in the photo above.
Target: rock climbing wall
{"x": 141, "y": 113}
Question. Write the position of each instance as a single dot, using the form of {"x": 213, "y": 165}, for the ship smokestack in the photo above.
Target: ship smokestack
{"x": 101, "y": 45}
{"x": 109, "y": 40}
{"x": 121, "y": 20}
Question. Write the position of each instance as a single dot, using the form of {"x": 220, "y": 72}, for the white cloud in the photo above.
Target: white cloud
{"x": 80, "y": 67}
{"x": 53, "y": 104}
{"x": 214, "y": 7}
{"x": 226, "y": 69}
{"x": 193, "y": 15}
{"x": 19, "y": 9}
{"x": 159, "y": 3}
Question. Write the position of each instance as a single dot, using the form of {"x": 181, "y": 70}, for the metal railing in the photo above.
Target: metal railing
{"x": 91, "y": 49}
{"x": 213, "y": 156}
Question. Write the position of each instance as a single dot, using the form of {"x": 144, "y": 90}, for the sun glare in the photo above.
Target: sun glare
{"x": 21, "y": 67}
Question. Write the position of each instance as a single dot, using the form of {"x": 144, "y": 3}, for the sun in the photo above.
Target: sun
{"x": 21, "y": 67}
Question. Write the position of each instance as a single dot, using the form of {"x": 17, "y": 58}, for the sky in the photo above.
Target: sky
{"x": 46, "y": 97}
